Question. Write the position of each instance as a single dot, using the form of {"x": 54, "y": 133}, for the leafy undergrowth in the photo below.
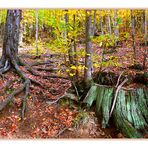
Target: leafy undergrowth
{"x": 43, "y": 120}
{"x": 61, "y": 119}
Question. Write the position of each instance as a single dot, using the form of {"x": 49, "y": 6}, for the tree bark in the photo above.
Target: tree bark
{"x": 95, "y": 23}
{"x": 11, "y": 39}
{"x": 70, "y": 50}
{"x": 75, "y": 46}
{"x": 10, "y": 56}
{"x": 88, "y": 56}
{"x": 109, "y": 23}
{"x": 133, "y": 35}
{"x": 101, "y": 23}
{"x": 116, "y": 31}
{"x": 116, "y": 28}
{"x": 145, "y": 38}
{"x": 37, "y": 32}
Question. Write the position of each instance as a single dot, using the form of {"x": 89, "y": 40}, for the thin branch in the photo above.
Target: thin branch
{"x": 115, "y": 98}
{"x": 61, "y": 132}
{"x": 76, "y": 89}
{"x": 119, "y": 79}
{"x": 53, "y": 102}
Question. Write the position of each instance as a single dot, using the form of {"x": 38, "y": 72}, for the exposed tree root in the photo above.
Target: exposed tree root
{"x": 38, "y": 83}
{"x": 47, "y": 69}
{"x": 5, "y": 87}
{"x": 27, "y": 81}
{"x": 10, "y": 98}
{"x": 33, "y": 72}
{"x": 5, "y": 68}
{"x": 53, "y": 102}
{"x": 25, "y": 87}
{"x": 41, "y": 63}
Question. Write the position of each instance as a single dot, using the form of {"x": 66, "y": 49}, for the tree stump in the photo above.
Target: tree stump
{"x": 130, "y": 113}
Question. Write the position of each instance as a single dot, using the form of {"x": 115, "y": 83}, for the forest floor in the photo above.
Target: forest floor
{"x": 62, "y": 119}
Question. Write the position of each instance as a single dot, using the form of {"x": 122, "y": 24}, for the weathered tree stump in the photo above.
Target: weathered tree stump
{"x": 130, "y": 113}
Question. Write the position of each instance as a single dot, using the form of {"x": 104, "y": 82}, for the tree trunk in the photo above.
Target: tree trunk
{"x": 10, "y": 56}
{"x": 146, "y": 40}
{"x": 11, "y": 39}
{"x": 22, "y": 28}
{"x": 88, "y": 53}
{"x": 95, "y": 23}
{"x": 75, "y": 48}
{"x": 66, "y": 17}
{"x": 109, "y": 23}
{"x": 0, "y": 27}
{"x": 143, "y": 22}
{"x": 37, "y": 32}
{"x": 133, "y": 35}
{"x": 70, "y": 48}
{"x": 116, "y": 27}
{"x": 116, "y": 31}
{"x": 101, "y": 23}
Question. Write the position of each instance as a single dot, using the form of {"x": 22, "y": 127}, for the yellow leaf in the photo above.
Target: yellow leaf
{"x": 71, "y": 74}
{"x": 73, "y": 67}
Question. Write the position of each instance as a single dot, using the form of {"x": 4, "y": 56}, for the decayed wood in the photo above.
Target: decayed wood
{"x": 116, "y": 93}
{"x": 106, "y": 105}
{"x": 130, "y": 110}
{"x": 121, "y": 121}
{"x": 91, "y": 96}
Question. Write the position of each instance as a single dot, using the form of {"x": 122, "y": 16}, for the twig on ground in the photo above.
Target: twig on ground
{"x": 61, "y": 132}
{"x": 115, "y": 98}
{"x": 53, "y": 102}
{"x": 76, "y": 90}
{"x": 119, "y": 79}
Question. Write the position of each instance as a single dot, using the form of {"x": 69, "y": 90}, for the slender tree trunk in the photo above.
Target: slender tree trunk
{"x": 70, "y": 50}
{"x": 67, "y": 23}
{"x": 0, "y": 27}
{"x": 116, "y": 31}
{"x": 101, "y": 23}
{"x": 74, "y": 44}
{"x": 133, "y": 34}
{"x": 95, "y": 23}
{"x": 143, "y": 22}
{"x": 37, "y": 31}
{"x": 11, "y": 39}
{"x": 88, "y": 57}
{"x": 145, "y": 38}
{"x": 109, "y": 23}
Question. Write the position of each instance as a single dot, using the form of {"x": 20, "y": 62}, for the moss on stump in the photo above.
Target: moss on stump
{"x": 130, "y": 113}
